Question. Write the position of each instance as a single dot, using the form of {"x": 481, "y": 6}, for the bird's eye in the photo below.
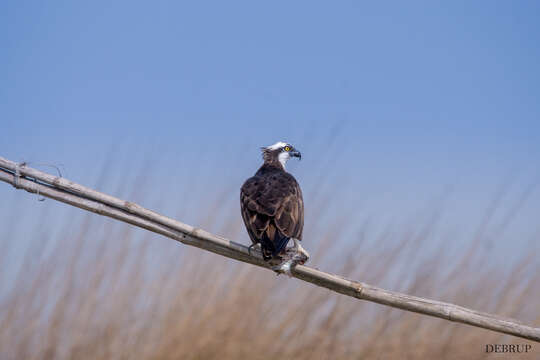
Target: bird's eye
{"x": 287, "y": 148}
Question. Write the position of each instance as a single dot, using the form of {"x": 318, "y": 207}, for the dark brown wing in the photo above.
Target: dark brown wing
{"x": 256, "y": 222}
{"x": 289, "y": 217}
{"x": 272, "y": 209}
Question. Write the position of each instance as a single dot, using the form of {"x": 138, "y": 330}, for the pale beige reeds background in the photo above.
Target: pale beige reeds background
{"x": 90, "y": 288}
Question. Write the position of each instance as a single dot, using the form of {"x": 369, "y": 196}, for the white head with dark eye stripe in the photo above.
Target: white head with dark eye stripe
{"x": 280, "y": 152}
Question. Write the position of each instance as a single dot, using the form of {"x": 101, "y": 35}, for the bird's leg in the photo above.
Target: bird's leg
{"x": 301, "y": 255}
{"x": 251, "y": 247}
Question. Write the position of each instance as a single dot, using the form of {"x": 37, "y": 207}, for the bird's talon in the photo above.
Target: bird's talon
{"x": 284, "y": 268}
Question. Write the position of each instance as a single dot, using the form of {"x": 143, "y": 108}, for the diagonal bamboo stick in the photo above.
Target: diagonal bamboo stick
{"x": 74, "y": 194}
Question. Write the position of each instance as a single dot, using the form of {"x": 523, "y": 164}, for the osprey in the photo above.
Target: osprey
{"x": 273, "y": 209}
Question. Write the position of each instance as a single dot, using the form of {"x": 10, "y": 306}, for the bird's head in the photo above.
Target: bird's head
{"x": 280, "y": 151}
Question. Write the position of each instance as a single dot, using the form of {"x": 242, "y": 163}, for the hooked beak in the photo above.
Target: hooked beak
{"x": 296, "y": 153}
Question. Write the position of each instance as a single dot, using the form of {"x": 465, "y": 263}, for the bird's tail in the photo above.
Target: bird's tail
{"x": 272, "y": 247}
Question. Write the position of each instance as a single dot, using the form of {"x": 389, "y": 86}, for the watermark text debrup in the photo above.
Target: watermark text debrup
{"x": 508, "y": 348}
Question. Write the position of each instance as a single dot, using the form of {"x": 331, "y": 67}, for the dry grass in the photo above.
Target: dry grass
{"x": 106, "y": 291}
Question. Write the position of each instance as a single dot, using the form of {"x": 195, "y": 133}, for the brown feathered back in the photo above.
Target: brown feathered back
{"x": 272, "y": 208}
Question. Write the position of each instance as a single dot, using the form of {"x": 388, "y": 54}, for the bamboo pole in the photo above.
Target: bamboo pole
{"x": 60, "y": 189}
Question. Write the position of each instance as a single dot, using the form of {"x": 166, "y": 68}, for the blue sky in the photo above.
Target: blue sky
{"x": 422, "y": 95}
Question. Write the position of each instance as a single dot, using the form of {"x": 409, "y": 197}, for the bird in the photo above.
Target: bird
{"x": 272, "y": 208}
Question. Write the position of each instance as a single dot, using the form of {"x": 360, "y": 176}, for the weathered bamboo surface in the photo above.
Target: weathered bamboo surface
{"x": 61, "y": 189}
